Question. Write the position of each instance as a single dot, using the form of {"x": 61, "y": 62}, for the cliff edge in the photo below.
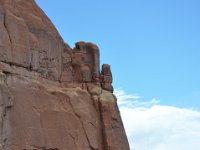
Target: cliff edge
{"x": 52, "y": 97}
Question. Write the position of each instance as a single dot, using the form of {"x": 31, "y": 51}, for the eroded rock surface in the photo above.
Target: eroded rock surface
{"x": 52, "y": 97}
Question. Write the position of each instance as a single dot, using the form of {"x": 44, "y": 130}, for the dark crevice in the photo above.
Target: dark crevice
{"x": 93, "y": 124}
{"x": 30, "y": 65}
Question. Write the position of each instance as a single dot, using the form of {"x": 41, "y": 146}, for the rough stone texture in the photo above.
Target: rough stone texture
{"x": 85, "y": 62}
{"x": 52, "y": 97}
{"x": 106, "y": 78}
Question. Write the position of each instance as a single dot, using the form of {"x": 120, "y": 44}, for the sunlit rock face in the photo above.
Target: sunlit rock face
{"x": 52, "y": 97}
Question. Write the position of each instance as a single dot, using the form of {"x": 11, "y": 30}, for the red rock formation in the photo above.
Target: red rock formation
{"x": 106, "y": 76}
{"x": 52, "y": 97}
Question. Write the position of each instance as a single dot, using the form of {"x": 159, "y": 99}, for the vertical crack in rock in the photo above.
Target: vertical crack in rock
{"x": 78, "y": 116}
{"x": 7, "y": 29}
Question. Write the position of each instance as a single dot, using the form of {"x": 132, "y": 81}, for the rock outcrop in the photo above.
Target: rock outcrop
{"x": 52, "y": 97}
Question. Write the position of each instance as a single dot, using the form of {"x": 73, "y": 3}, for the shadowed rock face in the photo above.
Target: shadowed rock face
{"x": 52, "y": 97}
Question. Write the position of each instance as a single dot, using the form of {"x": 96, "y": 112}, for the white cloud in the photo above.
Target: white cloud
{"x": 131, "y": 100}
{"x": 150, "y": 126}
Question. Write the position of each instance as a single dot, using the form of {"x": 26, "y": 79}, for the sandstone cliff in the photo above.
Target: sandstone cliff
{"x": 52, "y": 97}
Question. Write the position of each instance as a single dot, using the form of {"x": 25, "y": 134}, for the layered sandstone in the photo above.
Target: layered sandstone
{"x": 52, "y": 97}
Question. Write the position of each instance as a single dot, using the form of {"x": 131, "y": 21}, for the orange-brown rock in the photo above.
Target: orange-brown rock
{"x": 52, "y": 97}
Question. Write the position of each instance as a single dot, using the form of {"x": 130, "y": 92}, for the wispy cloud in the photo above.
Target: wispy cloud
{"x": 132, "y": 100}
{"x": 156, "y": 127}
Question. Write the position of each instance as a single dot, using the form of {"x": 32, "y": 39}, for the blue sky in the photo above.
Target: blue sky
{"x": 153, "y": 47}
